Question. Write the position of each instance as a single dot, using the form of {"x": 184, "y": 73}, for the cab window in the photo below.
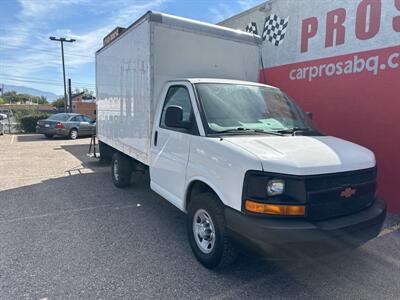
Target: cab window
{"x": 179, "y": 96}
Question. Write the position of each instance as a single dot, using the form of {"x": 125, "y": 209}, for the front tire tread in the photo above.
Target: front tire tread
{"x": 225, "y": 251}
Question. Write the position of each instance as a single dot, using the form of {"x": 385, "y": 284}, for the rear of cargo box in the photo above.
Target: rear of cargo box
{"x": 131, "y": 71}
{"x": 123, "y": 82}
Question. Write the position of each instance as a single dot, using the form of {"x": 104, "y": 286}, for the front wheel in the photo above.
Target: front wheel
{"x": 207, "y": 234}
{"x": 121, "y": 170}
{"x": 49, "y": 136}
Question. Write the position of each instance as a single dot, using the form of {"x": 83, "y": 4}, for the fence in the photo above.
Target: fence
{"x": 10, "y": 126}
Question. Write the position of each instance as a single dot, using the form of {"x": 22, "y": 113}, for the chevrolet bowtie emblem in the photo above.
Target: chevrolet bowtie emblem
{"x": 348, "y": 192}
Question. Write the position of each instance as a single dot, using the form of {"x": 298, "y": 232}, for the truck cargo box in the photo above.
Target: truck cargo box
{"x": 132, "y": 69}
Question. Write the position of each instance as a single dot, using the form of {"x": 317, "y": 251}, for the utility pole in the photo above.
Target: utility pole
{"x": 70, "y": 94}
{"x": 2, "y": 90}
{"x": 62, "y": 40}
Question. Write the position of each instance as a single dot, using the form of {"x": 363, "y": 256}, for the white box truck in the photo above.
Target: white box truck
{"x": 178, "y": 97}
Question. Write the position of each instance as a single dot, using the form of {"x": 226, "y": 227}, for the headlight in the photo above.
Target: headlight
{"x": 275, "y": 187}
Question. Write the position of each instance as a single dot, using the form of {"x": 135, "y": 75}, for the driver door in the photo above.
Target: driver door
{"x": 170, "y": 148}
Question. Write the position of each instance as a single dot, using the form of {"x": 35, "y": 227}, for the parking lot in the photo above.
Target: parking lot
{"x": 67, "y": 232}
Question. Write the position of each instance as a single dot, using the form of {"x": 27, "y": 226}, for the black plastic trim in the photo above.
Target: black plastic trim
{"x": 295, "y": 237}
{"x": 303, "y": 194}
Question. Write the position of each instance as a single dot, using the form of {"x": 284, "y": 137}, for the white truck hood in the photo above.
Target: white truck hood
{"x": 305, "y": 155}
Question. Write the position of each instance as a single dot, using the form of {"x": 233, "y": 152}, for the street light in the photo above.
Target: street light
{"x": 62, "y": 40}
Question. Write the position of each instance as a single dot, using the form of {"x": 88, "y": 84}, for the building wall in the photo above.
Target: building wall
{"x": 341, "y": 60}
{"x": 77, "y": 98}
{"x": 85, "y": 108}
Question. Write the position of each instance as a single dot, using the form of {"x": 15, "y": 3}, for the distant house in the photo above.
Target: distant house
{"x": 84, "y": 103}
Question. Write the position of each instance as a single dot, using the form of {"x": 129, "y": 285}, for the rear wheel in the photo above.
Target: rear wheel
{"x": 73, "y": 134}
{"x": 207, "y": 234}
{"x": 49, "y": 136}
{"x": 121, "y": 170}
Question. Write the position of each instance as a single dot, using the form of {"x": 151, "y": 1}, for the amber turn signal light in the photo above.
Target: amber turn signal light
{"x": 275, "y": 209}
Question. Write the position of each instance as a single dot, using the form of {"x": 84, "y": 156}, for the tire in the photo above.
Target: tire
{"x": 49, "y": 136}
{"x": 121, "y": 170}
{"x": 218, "y": 251}
{"x": 73, "y": 134}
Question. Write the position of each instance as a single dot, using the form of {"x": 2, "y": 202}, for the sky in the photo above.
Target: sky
{"x": 29, "y": 58}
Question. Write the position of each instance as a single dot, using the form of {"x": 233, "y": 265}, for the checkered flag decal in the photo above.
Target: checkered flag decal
{"x": 252, "y": 28}
{"x": 275, "y": 29}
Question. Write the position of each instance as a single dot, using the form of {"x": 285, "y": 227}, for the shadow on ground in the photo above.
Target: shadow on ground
{"x": 80, "y": 237}
{"x": 41, "y": 138}
{"x": 81, "y": 153}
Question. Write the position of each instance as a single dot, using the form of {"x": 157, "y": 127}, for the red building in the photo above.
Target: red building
{"x": 84, "y": 103}
{"x": 340, "y": 60}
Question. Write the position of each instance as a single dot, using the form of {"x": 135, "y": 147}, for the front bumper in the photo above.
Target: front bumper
{"x": 297, "y": 237}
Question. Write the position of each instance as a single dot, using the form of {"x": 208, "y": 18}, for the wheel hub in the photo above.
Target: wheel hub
{"x": 203, "y": 231}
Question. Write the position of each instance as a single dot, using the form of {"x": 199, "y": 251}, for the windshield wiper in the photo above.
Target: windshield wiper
{"x": 295, "y": 130}
{"x": 242, "y": 129}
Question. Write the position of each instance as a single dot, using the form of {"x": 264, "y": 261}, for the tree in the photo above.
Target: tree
{"x": 42, "y": 100}
{"x": 59, "y": 102}
{"x": 13, "y": 97}
{"x": 10, "y": 97}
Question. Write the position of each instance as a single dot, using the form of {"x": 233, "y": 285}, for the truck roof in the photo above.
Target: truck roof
{"x": 189, "y": 24}
{"x": 219, "y": 80}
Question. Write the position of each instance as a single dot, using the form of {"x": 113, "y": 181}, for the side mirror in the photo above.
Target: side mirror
{"x": 309, "y": 114}
{"x": 174, "y": 117}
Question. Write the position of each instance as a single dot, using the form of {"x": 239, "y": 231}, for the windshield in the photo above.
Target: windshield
{"x": 59, "y": 117}
{"x": 247, "y": 107}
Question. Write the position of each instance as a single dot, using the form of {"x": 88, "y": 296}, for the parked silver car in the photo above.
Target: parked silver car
{"x": 67, "y": 124}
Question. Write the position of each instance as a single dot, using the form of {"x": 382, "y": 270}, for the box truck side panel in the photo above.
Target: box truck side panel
{"x": 185, "y": 53}
{"x": 132, "y": 70}
{"x": 123, "y": 75}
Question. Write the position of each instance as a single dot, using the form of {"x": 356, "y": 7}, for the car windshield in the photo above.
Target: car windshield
{"x": 231, "y": 107}
{"x": 59, "y": 117}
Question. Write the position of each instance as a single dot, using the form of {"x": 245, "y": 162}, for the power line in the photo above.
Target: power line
{"x": 7, "y": 46}
{"x": 37, "y": 78}
{"x": 44, "y": 80}
{"x": 40, "y": 80}
{"x": 43, "y": 83}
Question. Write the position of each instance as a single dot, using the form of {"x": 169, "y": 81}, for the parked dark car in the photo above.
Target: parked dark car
{"x": 67, "y": 124}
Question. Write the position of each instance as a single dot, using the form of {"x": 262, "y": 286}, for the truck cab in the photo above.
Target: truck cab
{"x": 248, "y": 167}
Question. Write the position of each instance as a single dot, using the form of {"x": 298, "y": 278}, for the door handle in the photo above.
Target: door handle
{"x": 155, "y": 137}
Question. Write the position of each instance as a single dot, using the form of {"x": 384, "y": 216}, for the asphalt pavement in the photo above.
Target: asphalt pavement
{"x": 67, "y": 232}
